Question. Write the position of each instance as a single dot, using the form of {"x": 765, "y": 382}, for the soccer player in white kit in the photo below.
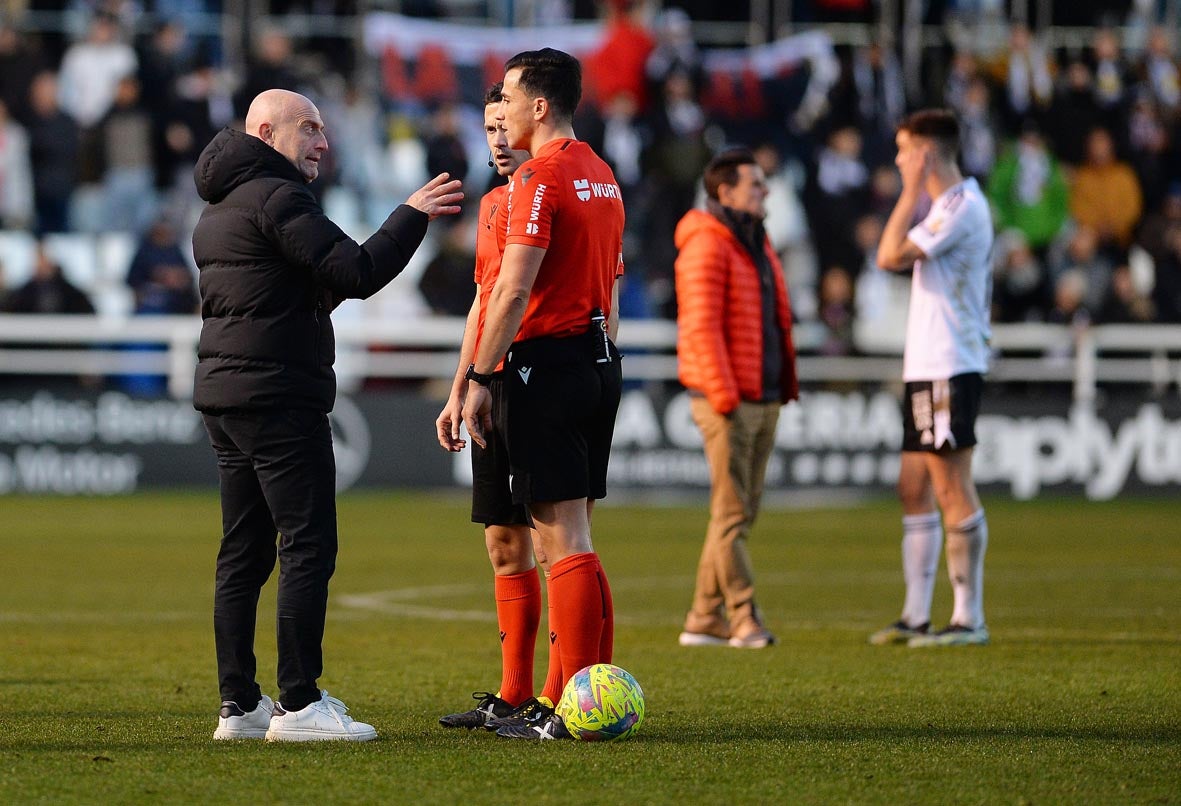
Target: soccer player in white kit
{"x": 946, "y": 357}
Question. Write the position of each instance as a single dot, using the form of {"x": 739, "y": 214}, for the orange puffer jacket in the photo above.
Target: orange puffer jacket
{"x": 719, "y": 315}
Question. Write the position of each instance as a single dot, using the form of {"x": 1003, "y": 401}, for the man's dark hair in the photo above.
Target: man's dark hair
{"x": 938, "y": 125}
{"x": 723, "y": 169}
{"x": 492, "y": 95}
{"x": 550, "y": 74}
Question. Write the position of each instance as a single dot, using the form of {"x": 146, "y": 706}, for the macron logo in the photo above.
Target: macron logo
{"x": 582, "y": 188}
{"x": 525, "y": 372}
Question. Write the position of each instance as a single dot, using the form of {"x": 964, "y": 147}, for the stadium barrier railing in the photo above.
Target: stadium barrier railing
{"x": 426, "y": 349}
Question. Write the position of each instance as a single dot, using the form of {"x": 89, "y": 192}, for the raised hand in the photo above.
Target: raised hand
{"x": 438, "y": 197}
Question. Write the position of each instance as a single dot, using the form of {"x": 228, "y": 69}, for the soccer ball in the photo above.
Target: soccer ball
{"x": 601, "y": 703}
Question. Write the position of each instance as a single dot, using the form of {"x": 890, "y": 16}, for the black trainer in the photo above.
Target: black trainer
{"x": 490, "y": 707}
{"x": 898, "y": 633}
{"x": 530, "y": 712}
{"x": 552, "y": 727}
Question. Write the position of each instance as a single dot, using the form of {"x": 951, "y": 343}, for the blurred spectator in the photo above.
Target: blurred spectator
{"x": 445, "y": 151}
{"x": 129, "y": 169}
{"x": 159, "y": 275}
{"x": 1166, "y": 287}
{"x": 675, "y": 51}
{"x": 1019, "y": 285}
{"x": 161, "y": 63}
{"x": 163, "y": 284}
{"x": 1024, "y": 71}
{"x": 269, "y": 68}
{"x": 1124, "y": 304}
{"x": 1111, "y": 75}
{"x": 837, "y": 194}
{"x": 885, "y": 184}
{"x": 1146, "y": 141}
{"x": 1105, "y": 195}
{"x": 446, "y": 282}
{"x": 1079, "y": 252}
{"x": 786, "y": 226}
{"x": 357, "y": 142}
{"x": 1075, "y": 110}
{"x": 786, "y": 223}
{"x": 623, "y": 141}
{"x": 53, "y": 149}
{"x": 836, "y": 311}
{"x": 881, "y": 100}
{"x": 19, "y": 65}
{"x": 91, "y": 69}
{"x": 89, "y": 76}
{"x": 1070, "y": 294}
{"x": 1028, "y": 191}
{"x": 869, "y": 97}
{"x": 1160, "y": 72}
{"x": 963, "y": 70}
{"x": 619, "y": 63}
{"x": 201, "y": 106}
{"x": 977, "y": 131}
{"x": 16, "y": 174}
{"x": 673, "y": 163}
{"x": 1158, "y": 225}
{"x": 47, "y": 291}
{"x": 882, "y": 297}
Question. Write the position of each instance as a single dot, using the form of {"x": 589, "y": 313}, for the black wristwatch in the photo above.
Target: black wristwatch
{"x": 478, "y": 377}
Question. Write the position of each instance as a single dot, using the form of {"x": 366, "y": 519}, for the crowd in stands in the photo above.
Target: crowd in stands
{"x": 1077, "y": 147}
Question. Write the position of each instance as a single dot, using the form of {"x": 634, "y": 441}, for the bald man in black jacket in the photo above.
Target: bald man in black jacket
{"x": 272, "y": 268}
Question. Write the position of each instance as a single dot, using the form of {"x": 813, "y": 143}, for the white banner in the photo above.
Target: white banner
{"x": 471, "y": 45}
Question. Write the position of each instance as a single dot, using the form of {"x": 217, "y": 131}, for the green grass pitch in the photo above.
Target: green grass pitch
{"x": 109, "y": 693}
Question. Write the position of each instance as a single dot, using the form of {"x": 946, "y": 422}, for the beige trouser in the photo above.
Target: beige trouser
{"x": 737, "y": 449}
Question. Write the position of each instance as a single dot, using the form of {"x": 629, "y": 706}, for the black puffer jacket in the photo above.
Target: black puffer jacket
{"x": 273, "y": 266}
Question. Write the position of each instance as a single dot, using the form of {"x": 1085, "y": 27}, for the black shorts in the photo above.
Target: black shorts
{"x": 559, "y": 418}
{"x": 492, "y": 498}
{"x": 941, "y": 415}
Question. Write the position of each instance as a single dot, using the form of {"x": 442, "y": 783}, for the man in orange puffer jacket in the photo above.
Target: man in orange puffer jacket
{"x": 736, "y": 357}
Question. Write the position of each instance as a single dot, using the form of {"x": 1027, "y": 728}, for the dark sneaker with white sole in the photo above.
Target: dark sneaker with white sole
{"x": 953, "y": 635}
{"x": 898, "y": 633}
{"x": 490, "y": 707}
{"x": 532, "y": 711}
{"x": 552, "y": 727}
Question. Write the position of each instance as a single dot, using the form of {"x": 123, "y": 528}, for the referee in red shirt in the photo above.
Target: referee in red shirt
{"x": 551, "y": 317}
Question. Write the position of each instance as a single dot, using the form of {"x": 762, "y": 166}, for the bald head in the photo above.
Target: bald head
{"x": 289, "y": 123}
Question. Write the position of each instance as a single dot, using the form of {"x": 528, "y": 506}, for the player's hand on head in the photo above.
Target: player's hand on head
{"x": 914, "y": 165}
{"x": 440, "y": 196}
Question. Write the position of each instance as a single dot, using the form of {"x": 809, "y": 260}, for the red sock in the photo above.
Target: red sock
{"x": 518, "y": 611}
{"x": 607, "y": 641}
{"x": 553, "y": 676}
{"x": 581, "y": 605}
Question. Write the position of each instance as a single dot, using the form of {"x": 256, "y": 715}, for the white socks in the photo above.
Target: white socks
{"x": 922, "y": 539}
{"x": 966, "y": 542}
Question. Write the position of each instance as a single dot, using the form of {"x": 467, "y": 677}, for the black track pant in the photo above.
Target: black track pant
{"x": 278, "y": 478}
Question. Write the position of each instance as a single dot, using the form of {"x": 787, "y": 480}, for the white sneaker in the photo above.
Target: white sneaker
{"x": 324, "y": 720}
{"x": 234, "y": 723}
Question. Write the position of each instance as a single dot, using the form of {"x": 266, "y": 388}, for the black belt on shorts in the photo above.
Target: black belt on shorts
{"x": 557, "y": 349}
